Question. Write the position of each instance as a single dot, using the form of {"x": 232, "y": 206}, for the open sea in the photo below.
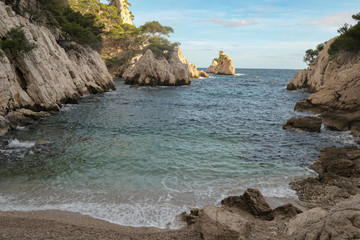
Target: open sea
{"x": 139, "y": 157}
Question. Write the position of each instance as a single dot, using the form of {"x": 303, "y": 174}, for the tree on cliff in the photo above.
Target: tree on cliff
{"x": 312, "y": 54}
{"x": 155, "y": 28}
{"x": 349, "y": 39}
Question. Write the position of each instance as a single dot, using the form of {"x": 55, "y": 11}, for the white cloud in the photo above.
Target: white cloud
{"x": 335, "y": 20}
{"x": 230, "y": 23}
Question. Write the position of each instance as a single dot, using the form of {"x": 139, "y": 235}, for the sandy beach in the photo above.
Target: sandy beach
{"x": 68, "y": 225}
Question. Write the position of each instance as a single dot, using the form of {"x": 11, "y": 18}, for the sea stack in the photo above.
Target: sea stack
{"x": 222, "y": 66}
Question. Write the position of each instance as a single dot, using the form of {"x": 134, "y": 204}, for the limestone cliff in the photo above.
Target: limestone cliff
{"x": 335, "y": 81}
{"x": 47, "y": 76}
{"x": 166, "y": 70}
{"x": 223, "y": 65}
{"x": 124, "y": 12}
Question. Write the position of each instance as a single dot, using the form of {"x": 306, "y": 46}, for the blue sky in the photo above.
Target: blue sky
{"x": 255, "y": 34}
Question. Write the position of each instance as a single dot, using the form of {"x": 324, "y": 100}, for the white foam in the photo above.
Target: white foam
{"x": 239, "y": 74}
{"x": 17, "y": 144}
{"x": 20, "y": 128}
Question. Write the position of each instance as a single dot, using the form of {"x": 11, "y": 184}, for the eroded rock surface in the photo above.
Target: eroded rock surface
{"x": 168, "y": 70}
{"x": 338, "y": 179}
{"x": 47, "y": 76}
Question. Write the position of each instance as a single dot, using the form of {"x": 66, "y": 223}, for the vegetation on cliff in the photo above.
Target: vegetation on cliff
{"x": 312, "y": 54}
{"x": 15, "y": 42}
{"x": 349, "y": 39}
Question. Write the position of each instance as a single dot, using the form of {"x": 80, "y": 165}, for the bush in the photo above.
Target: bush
{"x": 311, "y": 55}
{"x": 349, "y": 39}
{"x": 17, "y": 42}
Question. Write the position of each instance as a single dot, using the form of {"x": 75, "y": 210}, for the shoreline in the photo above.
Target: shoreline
{"x": 59, "y": 224}
{"x": 56, "y": 224}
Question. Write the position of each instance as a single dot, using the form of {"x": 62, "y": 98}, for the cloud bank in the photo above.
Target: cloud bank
{"x": 230, "y": 23}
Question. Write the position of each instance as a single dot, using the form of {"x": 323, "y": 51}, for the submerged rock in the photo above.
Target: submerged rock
{"x": 168, "y": 70}
{"x": 307, "y": 123}
{"x": 222, "y": 65}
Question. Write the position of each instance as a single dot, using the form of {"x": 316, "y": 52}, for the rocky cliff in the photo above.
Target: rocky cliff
{"x": 335, "y": 83}
{"x": 223, "y": 65}
{"x": 124, "y": 12}
{"x": 46, "y": 77}
{"x": 165, "y": 70}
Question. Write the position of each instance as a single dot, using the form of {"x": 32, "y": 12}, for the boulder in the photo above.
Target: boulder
{"x": 251, "y": 201}
{"x": 219, "y": 224}
{"x": 25, "y": 117}
{"x": 222, "y": 65}
{"x": 167, "y": 70}
{"x": 341, "y": 222}
{"x": 286, "y": 211}
{"x": 307, "y": 123}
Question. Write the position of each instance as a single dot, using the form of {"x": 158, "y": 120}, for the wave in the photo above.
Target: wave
{"x": 18, "y": 144}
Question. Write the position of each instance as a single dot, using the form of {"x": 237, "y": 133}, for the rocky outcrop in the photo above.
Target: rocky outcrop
{"x": 335, "y": 81}
{"x": 47, "y": 76}
{"x": 307, "y": 123}
{"x": 338, "y": 179}
{"x": 341, "y": 222}
{"x": 194, "y": 73}
{"x": 222, "y": 65}
{"x": 242, "y": 218}
{"x": 167, "y": 70}
{"x": 251, "y": 201}
{"x": 124, "y": 12}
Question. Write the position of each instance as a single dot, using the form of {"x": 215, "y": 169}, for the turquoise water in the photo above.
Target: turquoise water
{"x": 139, "y": 157}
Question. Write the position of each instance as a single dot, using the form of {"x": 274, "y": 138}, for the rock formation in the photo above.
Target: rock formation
{"x": 335, "y": 83}
{"x": 194, "y": 73}
{"x": 124, "y": 12}
{"x": 307, "y": 123}
{"x": 167, "y": 70}
{"x": 47, "y": 76}
{"x": 341, "y": 222}
{"x": 222, "y": 65}
{"x": 338, "y": 179}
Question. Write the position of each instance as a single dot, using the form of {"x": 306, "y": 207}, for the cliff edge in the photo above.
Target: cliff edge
{"x": 335, "y": 83}
{"x": 47, "y": 76}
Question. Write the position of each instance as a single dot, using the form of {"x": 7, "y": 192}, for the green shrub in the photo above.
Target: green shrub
{"x": 16, "y": 41}
{"x": 349, "y": 39}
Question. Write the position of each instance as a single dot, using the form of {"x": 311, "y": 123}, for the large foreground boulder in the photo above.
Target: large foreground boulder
{"x": 223, "y": 65}
{"x": 217, "y": 223}
{"x": 167, "y": 70}
{"x": 341, "y": 222}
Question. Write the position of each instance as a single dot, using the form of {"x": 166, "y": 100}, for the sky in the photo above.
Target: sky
{"x": 255, "y": 34}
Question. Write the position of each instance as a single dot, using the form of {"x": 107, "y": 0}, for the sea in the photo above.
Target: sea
{"x": 139, "y": 157}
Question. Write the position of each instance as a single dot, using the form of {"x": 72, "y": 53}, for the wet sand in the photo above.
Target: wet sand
{"x": 68, "y": 225}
